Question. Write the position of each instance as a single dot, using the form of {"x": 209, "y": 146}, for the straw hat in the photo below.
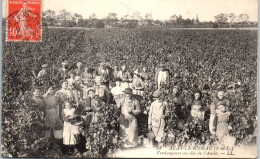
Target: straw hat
{"x": 79, "y": 63}
{"x": 44, "y": 65}
{"x": 156, "y": 94}
{"x": 90, "y": 89}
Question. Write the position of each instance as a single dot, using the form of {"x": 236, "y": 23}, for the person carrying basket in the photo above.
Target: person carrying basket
{"x": 70, "y": 127}
{"x": 92, "y": 107}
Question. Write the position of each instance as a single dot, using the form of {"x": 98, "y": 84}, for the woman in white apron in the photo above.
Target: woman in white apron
{"x": 70, "y": 130}
{"x": 156, "y": 119}
{"x": 130, "y": 107}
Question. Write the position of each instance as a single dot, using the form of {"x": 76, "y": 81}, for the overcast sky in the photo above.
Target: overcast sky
{"x": 160, "y": 9}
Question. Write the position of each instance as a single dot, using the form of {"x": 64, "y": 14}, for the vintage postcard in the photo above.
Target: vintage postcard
{"x": 129, "y": 79}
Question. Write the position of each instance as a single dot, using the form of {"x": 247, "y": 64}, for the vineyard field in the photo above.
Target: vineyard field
{"x": 194, "y": 57}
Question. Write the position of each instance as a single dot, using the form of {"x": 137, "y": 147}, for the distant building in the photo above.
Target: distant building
{"x": 253, "y": 23}
{"x": 123, "y": 21}
{"x": 69, "y": 17}
{"x": 143, "y": 23}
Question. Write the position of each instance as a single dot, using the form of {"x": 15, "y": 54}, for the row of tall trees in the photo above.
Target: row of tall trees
{"x": 177, "y": 19}
{"x": 65, "y": 18}
{"x": 232, "y": 18}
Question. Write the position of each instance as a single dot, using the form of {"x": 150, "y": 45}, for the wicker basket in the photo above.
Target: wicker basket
{"x": 58, "y": 134}
{"x": 150, "y": 135}
{"x": 148, "y": 143}
{"x": 87, "y": 119}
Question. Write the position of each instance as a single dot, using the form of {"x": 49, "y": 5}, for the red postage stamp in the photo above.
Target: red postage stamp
{"x": 24, "y": 20}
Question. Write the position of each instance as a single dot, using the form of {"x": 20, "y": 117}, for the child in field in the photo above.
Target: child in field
{"x": 156, "y": 119}
{"x": 223, "y": 127}
{"x": 117, "y": 91}
{"x": 219, "y": 98}
{"x": 137, "y": 84}
{"x": 70, "y": 129}
{"x": 196, "y": 109}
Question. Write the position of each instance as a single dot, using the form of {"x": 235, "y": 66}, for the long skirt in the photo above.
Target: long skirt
{"x": 158, "y": 129}
{"x": 52, "y": 117}
{"x": 128, "y": 131}
{"x": 70, "y": 133}
{"x": 222, "y": 130}
{"x": 211, "y": 123}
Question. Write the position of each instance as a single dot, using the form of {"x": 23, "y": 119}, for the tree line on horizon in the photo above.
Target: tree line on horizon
{"x": 67, "y": 19}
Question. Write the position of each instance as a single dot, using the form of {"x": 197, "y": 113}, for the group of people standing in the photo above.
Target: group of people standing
{"x": 81, "y": 87}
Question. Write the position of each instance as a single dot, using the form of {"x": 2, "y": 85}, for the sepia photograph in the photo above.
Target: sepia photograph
{"x": 129, "y": 79}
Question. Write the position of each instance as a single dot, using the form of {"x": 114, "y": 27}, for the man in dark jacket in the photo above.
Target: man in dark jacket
{"x": 64, "y": 72}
